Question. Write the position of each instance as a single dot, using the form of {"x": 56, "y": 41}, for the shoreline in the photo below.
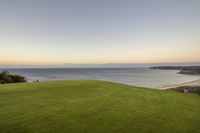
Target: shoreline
{"x": 189, "y": 83}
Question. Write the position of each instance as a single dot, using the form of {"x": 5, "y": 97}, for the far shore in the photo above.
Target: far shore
{"x": 190, "y": 83}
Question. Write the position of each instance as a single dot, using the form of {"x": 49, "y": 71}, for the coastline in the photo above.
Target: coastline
{"x": 189, "y": 83}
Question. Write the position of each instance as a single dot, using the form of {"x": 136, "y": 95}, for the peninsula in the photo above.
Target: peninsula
{"x": 191, "y": 70}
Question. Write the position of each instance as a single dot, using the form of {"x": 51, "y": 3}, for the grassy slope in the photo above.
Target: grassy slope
{"x": 95, "y": 107}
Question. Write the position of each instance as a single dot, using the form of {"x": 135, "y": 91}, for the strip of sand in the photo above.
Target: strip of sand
{"x": 190, "y": 83}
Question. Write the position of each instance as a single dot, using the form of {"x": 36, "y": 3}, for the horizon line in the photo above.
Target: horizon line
{"x": 74, "y": 65}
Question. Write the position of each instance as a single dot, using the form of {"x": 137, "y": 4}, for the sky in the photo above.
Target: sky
{"x": 57, "y": 32}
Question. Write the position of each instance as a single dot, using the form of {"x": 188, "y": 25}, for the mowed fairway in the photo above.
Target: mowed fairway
{"x": 95, "y": 107}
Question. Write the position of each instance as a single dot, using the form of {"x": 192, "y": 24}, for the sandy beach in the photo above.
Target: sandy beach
{"x": 190, "y": 83}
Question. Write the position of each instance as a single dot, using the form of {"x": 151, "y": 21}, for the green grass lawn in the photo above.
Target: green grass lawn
{"x": 95, "y": 107}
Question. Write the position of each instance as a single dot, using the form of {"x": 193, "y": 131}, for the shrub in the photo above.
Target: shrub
{"x": 191, "y": 89}
{"x": 6, "y": 77}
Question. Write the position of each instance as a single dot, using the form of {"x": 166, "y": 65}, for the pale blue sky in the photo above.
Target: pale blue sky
{"x": 99, "y": 31}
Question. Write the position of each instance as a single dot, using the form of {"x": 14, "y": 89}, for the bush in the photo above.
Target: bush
{"x": 6, "y": 77}
{"x": 191, "y": 89}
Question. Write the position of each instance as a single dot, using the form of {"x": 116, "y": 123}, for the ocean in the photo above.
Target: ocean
{"x": 144, "y": 77}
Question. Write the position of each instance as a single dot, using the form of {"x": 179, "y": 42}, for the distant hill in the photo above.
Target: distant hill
{"x": 192, "y": 70}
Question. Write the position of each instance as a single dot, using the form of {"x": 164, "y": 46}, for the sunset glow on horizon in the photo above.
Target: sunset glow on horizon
{"x": 98, "y": 32}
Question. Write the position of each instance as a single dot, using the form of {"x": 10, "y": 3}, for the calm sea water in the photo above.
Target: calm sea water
{"x": 131, "y": 76}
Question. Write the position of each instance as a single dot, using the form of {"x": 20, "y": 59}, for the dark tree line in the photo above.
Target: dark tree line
{"x": 6, "y": 77}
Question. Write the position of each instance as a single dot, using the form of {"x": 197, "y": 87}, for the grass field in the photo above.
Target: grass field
{"x": 95, "y": 107}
